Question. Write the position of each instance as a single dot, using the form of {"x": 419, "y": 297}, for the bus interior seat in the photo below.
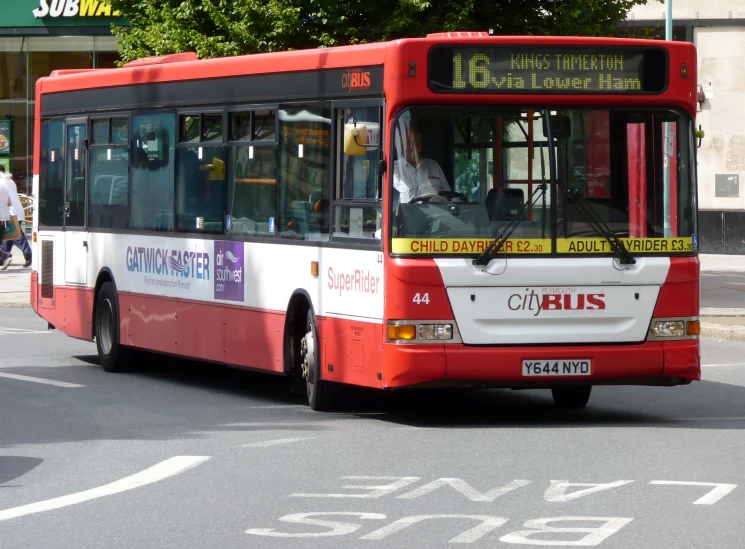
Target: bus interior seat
{"x": 102, "y": 189}
{"x": 76, "y": 193}
{"x": 436, "y": 219}
{"x": 504, "y": 204}
{"x": 163, "y": 221}
{"x": 119, "y": 191}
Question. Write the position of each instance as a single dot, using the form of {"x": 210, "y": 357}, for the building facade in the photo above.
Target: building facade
{"x": 37, "y": 37}
{"x": 717, "y": 28}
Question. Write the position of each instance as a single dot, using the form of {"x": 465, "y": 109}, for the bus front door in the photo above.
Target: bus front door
{"x": 76, "y": 237}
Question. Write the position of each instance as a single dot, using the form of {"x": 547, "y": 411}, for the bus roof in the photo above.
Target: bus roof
{"x": 186, "y": 66}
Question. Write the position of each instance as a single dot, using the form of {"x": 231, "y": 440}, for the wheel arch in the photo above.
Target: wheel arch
{"x": 104, "y": 275}
{"x": 297, "y": 309}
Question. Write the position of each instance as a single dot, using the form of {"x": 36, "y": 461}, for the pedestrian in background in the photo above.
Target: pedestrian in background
{"x": 4, "y": 218}
{"x": 16, "y": 209}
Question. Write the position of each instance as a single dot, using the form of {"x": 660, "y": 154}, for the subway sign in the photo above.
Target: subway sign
{"x": 73, "y": 8}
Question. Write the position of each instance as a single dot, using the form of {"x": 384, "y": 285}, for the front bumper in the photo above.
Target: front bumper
{"x": 649, "y": 363}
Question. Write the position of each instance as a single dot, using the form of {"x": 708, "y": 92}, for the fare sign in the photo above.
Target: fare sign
{"x": 523, "y": 69}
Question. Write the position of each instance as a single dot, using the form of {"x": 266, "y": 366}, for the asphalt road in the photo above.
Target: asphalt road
{"x": 182, "y": 456}
{"x": 723, "y": 290}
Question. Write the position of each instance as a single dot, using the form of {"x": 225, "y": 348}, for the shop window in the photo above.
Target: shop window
{"x": 18, "y": 117}
{"x": 200, "y": 174}
{"x": 152, "y": 164}
{"x": 13, "y": 69}
{"x": 304, "y": 170}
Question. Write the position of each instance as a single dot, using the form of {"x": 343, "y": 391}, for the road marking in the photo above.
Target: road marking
{"x": 40, "y": 380}
{"x": 488, "y": 523}
{"x": 160, "y": 471}
{"x": 721, "y": 365}
{"x": 718, "y": 492}
{"x": 734, "y": 418}
{"x": 272, "y": 406}
{"x": 7, "y": 330}
{"x": 272, "y": 424}
{"x": 275, "y": 442}
{"x": 44, "y": 361}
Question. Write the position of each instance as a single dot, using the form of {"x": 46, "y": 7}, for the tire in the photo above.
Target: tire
{"x": 113, "y": 356}
{"x": 571, "y": 397}
{"x": 320, "y": 392}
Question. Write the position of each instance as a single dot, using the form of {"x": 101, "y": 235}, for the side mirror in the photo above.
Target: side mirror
{"x": 355, "y": 139}
{"x": 699, "y": 135}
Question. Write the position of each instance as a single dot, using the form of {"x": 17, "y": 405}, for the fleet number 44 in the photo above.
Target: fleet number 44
{"x": 421, "y": 298}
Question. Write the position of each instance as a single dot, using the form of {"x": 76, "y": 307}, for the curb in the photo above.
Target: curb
{"x": 721, "y": 331}
{"x": 704, "y": 312}
{"x": 14, "y": 304}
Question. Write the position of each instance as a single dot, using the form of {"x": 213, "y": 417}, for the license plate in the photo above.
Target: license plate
{"x": 575, "y": 367}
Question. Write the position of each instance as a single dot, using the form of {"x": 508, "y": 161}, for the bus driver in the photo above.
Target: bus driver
{"x": 413, "y": 175}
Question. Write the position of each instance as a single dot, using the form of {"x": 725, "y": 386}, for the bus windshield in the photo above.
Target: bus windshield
{"x": 466, "y": 173}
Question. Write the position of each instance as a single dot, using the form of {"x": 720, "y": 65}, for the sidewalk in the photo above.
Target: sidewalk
{"x": 718, "y": 323}
{"x": 15, "y": 282}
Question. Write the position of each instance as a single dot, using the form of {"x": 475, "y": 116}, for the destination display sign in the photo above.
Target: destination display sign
{"x": 540, "y": 70}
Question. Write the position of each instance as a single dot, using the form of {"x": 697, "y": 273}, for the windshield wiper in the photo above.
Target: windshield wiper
{"x": 499, "y": 241}
{"x": 599, "y": 226}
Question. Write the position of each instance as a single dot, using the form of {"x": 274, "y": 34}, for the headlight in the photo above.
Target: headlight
{"x": 435, "y": 331}
{"x": 669, "y": 328}
{"x": 424, "y": 331}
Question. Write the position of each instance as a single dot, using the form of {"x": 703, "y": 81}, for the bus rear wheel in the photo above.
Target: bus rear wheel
{"x": 571, "y": 397}
{"x": 112, "y": 355}
{"x": 320, "y": 392}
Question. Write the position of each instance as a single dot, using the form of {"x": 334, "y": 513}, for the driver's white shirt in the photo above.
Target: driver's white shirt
{"x": 412, "y": 181}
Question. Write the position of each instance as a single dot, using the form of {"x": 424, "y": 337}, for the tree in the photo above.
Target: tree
{"x": 216, "y": 28}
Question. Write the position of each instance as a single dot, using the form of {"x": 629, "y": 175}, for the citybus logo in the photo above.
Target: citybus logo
{"x": 355, "y": 80}
{"x": 555, "y": 299}
{"x": 73, "y": 8}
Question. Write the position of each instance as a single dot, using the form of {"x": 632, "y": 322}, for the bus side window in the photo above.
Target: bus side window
{"x": 152, "y": 152}
{"x": 305, "y": 160}
{"x": 200, "y": 174}
{"x": 52, "y": 173}
{"x": 108, "y": 186}
{"x": 252, "y": 189}
{"x": 358, "y": 177}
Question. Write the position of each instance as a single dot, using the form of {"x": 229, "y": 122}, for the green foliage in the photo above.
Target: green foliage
{"x": 216, "y": 28}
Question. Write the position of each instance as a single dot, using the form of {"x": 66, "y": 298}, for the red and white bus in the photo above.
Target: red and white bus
{"x": 456, "y": 210}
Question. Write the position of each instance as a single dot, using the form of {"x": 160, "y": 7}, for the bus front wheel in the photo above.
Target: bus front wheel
{"x": 320, "y": 392}
{"x": 571, "y": 397}
{"x": 111, "y": 354}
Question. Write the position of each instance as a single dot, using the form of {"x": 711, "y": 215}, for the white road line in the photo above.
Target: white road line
{"x": 5, "y": 332}
{"x": 274, "y": 424}
{"x": 40, "y": 380}
{"x": 160, "y": 471}
{"x": 275, "y": 442}
{"x": 45, "y": 361}
{"x": 271, "y": 406}
{"x": 719, "y": 365}
{"x": 735, "y": 418}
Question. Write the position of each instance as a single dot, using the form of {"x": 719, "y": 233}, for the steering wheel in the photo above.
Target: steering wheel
{"x": 448, "y": 194}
